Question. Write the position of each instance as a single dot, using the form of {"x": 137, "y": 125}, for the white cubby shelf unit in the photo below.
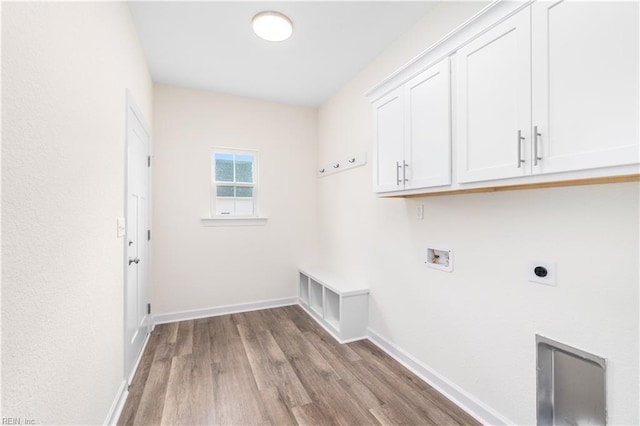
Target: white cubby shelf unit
{"x": 340, "y": 306}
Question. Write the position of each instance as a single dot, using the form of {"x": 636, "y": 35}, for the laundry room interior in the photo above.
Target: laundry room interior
{"x": 453, "y": 200}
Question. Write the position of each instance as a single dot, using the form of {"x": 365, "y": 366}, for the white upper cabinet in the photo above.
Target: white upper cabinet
{"x": 528, "y": 94}
{"x": 428, "y": 128}
{"x": 493, "y": 102}
{"x": 412, "y": 133}
{"x": 585, "y": 84}
{"x": 553, "y": 88}
{"x": 389, "y": 135}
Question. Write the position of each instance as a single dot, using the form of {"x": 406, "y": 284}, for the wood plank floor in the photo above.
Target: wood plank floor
{"x": 276, "y": 367}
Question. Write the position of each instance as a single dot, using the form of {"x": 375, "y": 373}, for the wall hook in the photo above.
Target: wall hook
{"x": 347, "y": 163}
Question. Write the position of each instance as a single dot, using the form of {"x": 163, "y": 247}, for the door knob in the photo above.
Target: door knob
{"x": 136, "y": 260}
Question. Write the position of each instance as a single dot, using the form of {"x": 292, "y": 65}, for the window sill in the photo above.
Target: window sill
{"x": 234, "y": 221}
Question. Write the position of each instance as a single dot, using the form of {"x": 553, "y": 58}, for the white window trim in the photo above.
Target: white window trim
{"x": 234, "y": 220}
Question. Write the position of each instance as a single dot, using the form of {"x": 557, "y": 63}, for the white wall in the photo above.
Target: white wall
{"x": 65, "y": 69}
{"x": 197, "y": 267}
{"x": 476, "y": 326}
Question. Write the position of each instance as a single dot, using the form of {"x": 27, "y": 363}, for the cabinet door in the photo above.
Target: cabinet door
{"x": 585, "y": 84}
{"x": 493, "y": 102}
{"x": 389, "y": 139}
{"x": 428, "y": 128}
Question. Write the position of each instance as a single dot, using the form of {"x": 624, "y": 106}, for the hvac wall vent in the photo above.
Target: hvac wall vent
{"x": 571, "y": 385}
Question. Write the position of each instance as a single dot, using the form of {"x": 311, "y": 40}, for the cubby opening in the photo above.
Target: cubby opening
{"x": 340, "y": 306}
{"x": 316, "y": 296}
{"x": 304, "y": 289}
{"x": 332, "y": 308}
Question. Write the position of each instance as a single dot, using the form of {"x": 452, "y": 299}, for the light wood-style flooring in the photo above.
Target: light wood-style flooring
{"x": 277, "y": 367}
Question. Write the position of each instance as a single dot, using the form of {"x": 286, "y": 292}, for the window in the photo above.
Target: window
{"x": 234, "y": 183}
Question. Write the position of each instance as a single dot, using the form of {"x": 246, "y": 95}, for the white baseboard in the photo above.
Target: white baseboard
{"x": 135, "y": 367}
{"x": 223, "y": 310}
{"x": 123, "y": 392}
{"x": 480, "y": 411}
{"x": 118, "y": 404}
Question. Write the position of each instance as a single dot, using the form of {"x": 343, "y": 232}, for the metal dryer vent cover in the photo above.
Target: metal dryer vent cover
{"x": 571, "y": 385}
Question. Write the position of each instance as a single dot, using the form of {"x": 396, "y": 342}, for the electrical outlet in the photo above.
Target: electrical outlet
{"x": 541, "y": 272}
{"x": 420, "y": 212}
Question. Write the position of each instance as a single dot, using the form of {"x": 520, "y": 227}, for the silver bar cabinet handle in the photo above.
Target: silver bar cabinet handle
{"x": 404, "y": 171}
{"x": 520, "y": 139}
{"x": 536, "y": 134}
{"x": 398, "y": 173}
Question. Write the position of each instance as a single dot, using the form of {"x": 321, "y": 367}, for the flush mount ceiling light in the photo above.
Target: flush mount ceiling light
{"x": 272, "y": 26}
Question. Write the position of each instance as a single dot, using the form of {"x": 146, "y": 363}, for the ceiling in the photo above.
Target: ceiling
{"x": 210, "y": 45}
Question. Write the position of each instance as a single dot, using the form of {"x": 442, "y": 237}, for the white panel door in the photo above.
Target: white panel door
{"x": 585, "y": 84}
{"x": 428, "y": 128}
{"x": 389, "y": 138}
{"x": 493, "y": 102}
{"x": 137, "y": 294}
